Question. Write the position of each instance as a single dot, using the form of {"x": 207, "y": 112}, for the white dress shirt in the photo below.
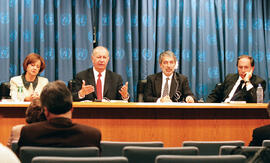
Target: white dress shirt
{"x": 248, "y": 87}
{"x": 164, "y": 78}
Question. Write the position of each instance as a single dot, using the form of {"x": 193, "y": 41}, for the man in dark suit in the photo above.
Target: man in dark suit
{"x": 168, "y": 86}
{"x": 241, "y": 86}
{"x": 58, "y": 130}
{"x": 97, "y": 83}
{"x": 261, "y": 133}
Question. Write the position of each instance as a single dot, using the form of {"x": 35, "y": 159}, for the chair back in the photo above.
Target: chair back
{"x": 140, "y": 90}
{"x": 246, "y": 150}
{"x": 114, "y": 148}
{"x": 148, "y": 154}
{"x": 44, "y": 159}
{"x": 266, "y": 143}
{"x": 201, "y": 159}
{"x": 5, "y": 90}
{"x": 27, "y": 153}
{"x": 211, "y": 147}
{"x": 71, "y": 85}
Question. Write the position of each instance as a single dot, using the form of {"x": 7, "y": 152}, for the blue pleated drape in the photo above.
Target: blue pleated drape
{"x": 207, "y": 36}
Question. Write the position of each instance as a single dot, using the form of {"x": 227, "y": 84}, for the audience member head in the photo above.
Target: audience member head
{"x": 100, "y": 58}
{"x": 167, "y": 62}
{"x": 56, "y": 98}
{"x": 32, "y": 60}
{"x": 34, "y": 112}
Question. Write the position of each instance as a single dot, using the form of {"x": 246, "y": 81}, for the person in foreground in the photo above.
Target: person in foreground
{"x": 261, "y": 133}
{"x": 58, "y": 130}
{"x": 168, "y": 86}
{"x": 31, "y": 83}
{"x": 34, "y": 113}
{"x": 241, "y": 86}
{"x": 7, "y": 155}
{"x": 98, "y": 83}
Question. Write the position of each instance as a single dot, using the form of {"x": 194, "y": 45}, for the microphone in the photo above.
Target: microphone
{"x": 177, "y": 96}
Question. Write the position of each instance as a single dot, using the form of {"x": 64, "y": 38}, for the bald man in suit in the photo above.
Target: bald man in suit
{"x": 86, "y": 82}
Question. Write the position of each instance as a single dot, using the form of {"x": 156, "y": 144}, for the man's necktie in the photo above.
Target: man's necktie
{"x": 237, "y": 92}
{"x": 166, "y": 88}
{"x": 99, "y": 88}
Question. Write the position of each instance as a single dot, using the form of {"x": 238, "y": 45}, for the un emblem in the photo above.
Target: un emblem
{"x": 119, "y": 20}
{"x": 12, "y": 3}
{"x": 258, "y": 56}
{"x": 27, "y": 3}
{"x": 42, "y": 38}
{"x": 81, "y": 54}
{"x": 213, "y": 72}
{"x": 186, "y": 53}
{"x": 49, "y": 19}
{"x": 13, "y": 36}
{"x": 119, "y": 53}
{"x": 147, "y": 54}
{"x": 160, "y": 21}
{"x": 65, "y": 53}
{"x": 4, "y": 52}
{"x": 229, "y": 23}
{"x": 212, "y": 39}
{"x": 4, "y": 16}
{"x": 147, "y": 20}
{"x": 128, "y": 37}
{"x": 201, "y": 56}
{"x": 65, "y": 19}
{"x": 257, "y": 24}
{"x": 135, "y": 54}
{"x": 129, "y": 71}
{"x": 105, "y": 20}
{"x": 187, "y": 21}
{"x": 267, "y": 25}
{"x": 81, "y": 19}
{"x": 229, "y": 56}
{"x": 27, "y": 36}
{"x": 49, "y": 53}
{"x": 134, "y": 21}
{"x": 242, "y": 24}
{"x": 12, "y": 69}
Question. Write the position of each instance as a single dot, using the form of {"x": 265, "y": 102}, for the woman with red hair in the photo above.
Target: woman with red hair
{"x": 30, "y": 83}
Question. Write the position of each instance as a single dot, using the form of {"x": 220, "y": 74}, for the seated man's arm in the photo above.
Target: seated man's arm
{"x": 251, "y": 94}
{"x": 216, "y": 95}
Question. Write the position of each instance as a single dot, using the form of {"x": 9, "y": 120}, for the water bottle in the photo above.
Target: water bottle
{"x": 20, "y": 95}
{"x": 259, "y": 93}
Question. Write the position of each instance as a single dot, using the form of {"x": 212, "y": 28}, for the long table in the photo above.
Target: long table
{"x": 171, "y": 123}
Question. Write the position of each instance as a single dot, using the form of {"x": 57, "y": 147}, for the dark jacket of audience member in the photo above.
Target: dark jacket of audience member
{"x": 58, "y": 130}
{"x": 261, "y": 133}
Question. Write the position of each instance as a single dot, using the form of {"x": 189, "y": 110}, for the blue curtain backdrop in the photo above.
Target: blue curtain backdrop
{"x": 207, "y": 36}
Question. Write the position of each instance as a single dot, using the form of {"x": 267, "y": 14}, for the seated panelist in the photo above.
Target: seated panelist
{"x": 98, "y": 83}
{"x": 240, "y": 86}
{"x": 29, "y": 81}
{"x": 168, "y": 86}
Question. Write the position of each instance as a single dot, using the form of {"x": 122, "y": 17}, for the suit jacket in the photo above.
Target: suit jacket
{"x": 259, "y": 135}
{"x": 222, "y": 91}
{"x": 112, "y": 85}
{"x": 17, "y": 81}
{"x": 179, "y": 84}
{"x": 59, "y": 132}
